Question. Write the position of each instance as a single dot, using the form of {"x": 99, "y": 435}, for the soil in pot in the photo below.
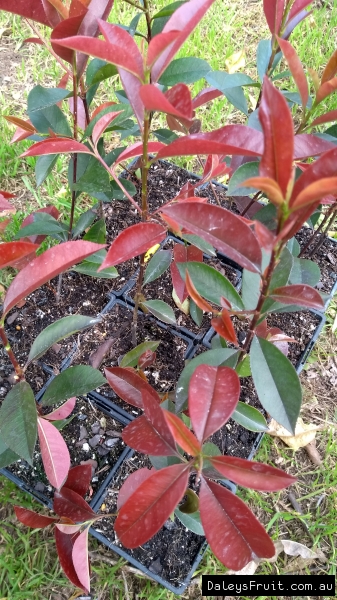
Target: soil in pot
{"x": 116, "y": 327}
{"x": 325, "y": 257}
{"x": 80, "y": 295}
{"x": 171, "y": 552}
{"x": 161, "y": 289}
{"x": 92, "y": 435}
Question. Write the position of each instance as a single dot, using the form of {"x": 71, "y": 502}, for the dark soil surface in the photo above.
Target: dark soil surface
{"x": 325, "y": 257}
{"x": 80, "y": 295}
{"x": 170, "y": 354}
{"x": 171, "y": 552}
{"x": 301, "y": 326}
{"x": 91, "y": 435}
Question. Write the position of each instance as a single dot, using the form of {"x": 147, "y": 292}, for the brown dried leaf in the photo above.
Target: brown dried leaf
{"x": 304, "y": 433}
{"x": 96, "y": 358}
{"x": 313, "y": 453}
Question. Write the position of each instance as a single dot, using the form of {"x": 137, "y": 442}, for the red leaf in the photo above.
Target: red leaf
{"x": 99, "y": 108}
{"x": 212, "y": 397}
{"x": 51, "y": 210}
{"x": 330, "y": 116}
{"x": 230, "y": 139}
{"x": 29, "y": 9}
{"x": 45, "y": 267}
{"x": 146, "y": 359}
{"x": 235, "y": 536}
{"x": 81, "y": 114}
{"x": 33, "y": 40}
{"x": 224, "y": 327}
{"x": 56, "y": 146}
{"x": 182, "y": 435}
{"x": 184, "y": 19}
{"x": 307, "y": 145}
{"x": 323, "y": 167}
{"x": 141, "y": 435}
{"x": 54, "y": 453}
{"x": 156, "y": 416}
{"x": 79, "y": 478}
{"x": 261, "y": 329}
{"x": 146, "y": 511}
{"x": 64, "y": 547}
{"x": 137, "y": 150}
{"x": 102, "y": 124}
{"x": 5, "y": 206}
{"x": 301, "y": 294}
{"x": 253, "y": 475}
{"x": 25, "y": 125}
{"x": 129, "y": 385}
{"x": 77, "y": 8}
{"x": 266, "y": 237}
{"x": 63, "y": 411}
{"x": 12, "y": 252}
{"x": 315, "y": 191}
{"x": 65, "y": 29}
{"x": 273, "y": 10}
{"x": 330, "y": 69}
{"x": 154, "y": 100}
{"x": 192, "y": 292}
{"x": 131, "y": 484}
{"x": 296, "y": 69}
{"x": 326, "y": 89}
{"x": 297, "y": 7}
{"x": 68, "y": 503}
{"x": 278, "y": 129}
{"x": 133, "y": 241}
{"x": 268, "y": 186}
{"x": 80, "y": 556}
{"x": 205, "y": 96}
{"x": 55, "y": 11}
{"x": 32, "y": 519}
{"x": 221, "y": 228}
{"x": 158, "y": 44}
{"x": 117, "y": 55}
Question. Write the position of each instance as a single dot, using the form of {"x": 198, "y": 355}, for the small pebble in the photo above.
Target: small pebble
{"x": 94, "y": 441}
{"x": 170, "y": 525}
{"x": 110, "y": 442}
{"x": 86, "y": 447}
{"x": 82, "y": 417}
{"x": 102, "y": 451}
{"x": 83, "y": 432}
{"x": 95, "y": 427}
{"x": 156, "y": 567}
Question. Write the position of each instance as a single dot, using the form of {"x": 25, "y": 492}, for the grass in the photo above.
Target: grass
{"x": 28, "y": 564}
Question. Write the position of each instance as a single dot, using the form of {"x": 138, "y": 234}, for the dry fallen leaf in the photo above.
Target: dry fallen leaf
{"x": 235, "y": 61}
{"x": 313, "y": 453}
{"x": 304, "y": 433}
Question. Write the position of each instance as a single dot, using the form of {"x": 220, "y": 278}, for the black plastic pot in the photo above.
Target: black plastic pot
{"x": 40, "y": 496}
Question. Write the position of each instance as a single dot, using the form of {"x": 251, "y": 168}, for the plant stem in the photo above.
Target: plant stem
{"x": 254, "y": 199}
{"x": 73, "y": 194}
{"x": 18, "y": 370}
{"x": 148, "y": 20}
{"x": 114, "y": 176}
{"x": 57, "y": 58}
{"x": 139, "y": 6}
{"x": 324, "y": 231}
{"x": 145, "y": 170}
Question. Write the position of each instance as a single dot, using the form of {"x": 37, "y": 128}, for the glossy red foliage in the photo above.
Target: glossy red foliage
{"x": 133, "y": 241}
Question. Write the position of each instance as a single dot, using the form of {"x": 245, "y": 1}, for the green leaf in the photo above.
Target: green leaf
{"x": 7, "y": 456}
{"x": 184, "y": 70}
{"x": 161, "y": 310}
{"x": 263, "y": 55}
{"x": 161, "y": 462}
{"x": 210, "y": 284}
{"x": 268, "y": 216}
{"x": 191, "y": 521}
{"x": 158, "y": 264}
{"x": 165, "y": 135}
{"x": 18, "y": 421}
{"x": 250, "y": 169}
{"x": 218, "y": 342}
{"x": 236, "y": 97}
{"x": 131, "y": 358}
{"x": 224, "y": 357}
{"x": 86, "y": 219}
{"x": 89, "y": 267}
{"x": 249, "y": 417}
{"x": 43, "y": 224}
{"x": 305, "y": 271}
{"x": 97, "y": 233}
{"x": 61, "y": 424}
{"x": 168, "y": 10}
{"x": 43, "y": 166}
{"x": 95, "y": 179}
{"x": 112, "y": 156}
{"x": 197, "y": 241}
{"x": 250, "y": 289}
{"x": 225, "y": 81}
{"x": 277, "y": 383}
{"x": 294, "y": 247}
{"x": 280, "y": 278}
{"x": 243, "y": 368}
{"x": 210, "y": 449}
{"x": 98, "y": 70}
{"x": 117, "y": 193}
{"x": 74, "y": 381}
{"x": 196, "y": 313}
{"x": 40, "y": 97}
{"x": 127, "y": 112}
{"x": 59, "y": 330}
